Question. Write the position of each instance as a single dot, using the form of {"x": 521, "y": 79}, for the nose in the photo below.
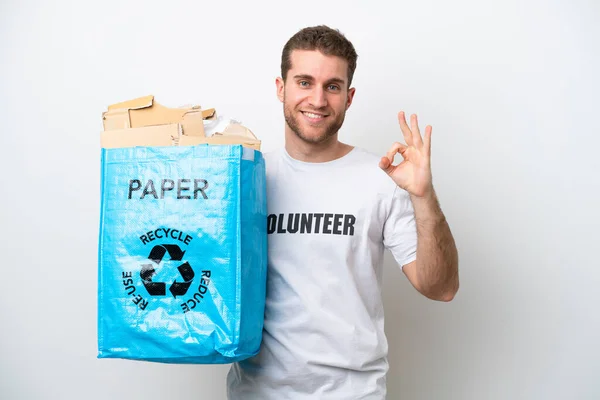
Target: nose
{"x": 318, "y": 98}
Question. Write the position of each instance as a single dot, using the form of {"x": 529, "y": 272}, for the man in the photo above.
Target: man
{"x": 333, "y": 209}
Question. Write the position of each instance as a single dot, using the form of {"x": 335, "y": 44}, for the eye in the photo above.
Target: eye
{"x": 303, "y": 83}
{"x": 333, "y": 87}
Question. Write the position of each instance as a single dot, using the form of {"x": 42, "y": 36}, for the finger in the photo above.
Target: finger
{"x": 427, "y": 140}
{"x": 405, "y": 129}
{"x": 395, "y": 149}
{"x": 386, "y": 165}
{"x": 416, "y": 133}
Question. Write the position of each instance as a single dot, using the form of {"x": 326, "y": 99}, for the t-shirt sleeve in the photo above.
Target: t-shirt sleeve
{"x": 400, "y": 231}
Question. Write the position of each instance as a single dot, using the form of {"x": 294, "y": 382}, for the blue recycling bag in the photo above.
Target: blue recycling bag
{"x": 182, "y": 253}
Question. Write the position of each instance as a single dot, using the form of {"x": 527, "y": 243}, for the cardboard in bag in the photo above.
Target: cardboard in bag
{"x": 145, "y": 122}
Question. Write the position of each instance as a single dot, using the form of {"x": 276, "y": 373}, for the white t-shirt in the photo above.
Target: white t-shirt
{"x": 329, "y": 224}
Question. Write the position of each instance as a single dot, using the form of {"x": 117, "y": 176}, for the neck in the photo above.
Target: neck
{"x": 328, "y": 150}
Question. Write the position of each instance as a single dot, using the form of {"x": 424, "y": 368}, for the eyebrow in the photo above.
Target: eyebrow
{"x": 310, "y": 78}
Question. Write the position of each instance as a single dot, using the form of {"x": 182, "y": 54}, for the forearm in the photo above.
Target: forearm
{"x": 437, "y": 257}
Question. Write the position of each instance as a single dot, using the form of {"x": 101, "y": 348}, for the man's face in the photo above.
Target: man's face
{"x": 315, "y": 95}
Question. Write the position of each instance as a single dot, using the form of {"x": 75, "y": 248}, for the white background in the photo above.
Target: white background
{"x": 510, "y": 87}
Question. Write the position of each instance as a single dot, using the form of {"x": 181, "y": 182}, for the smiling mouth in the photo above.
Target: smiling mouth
{"x": 314, "y": 116}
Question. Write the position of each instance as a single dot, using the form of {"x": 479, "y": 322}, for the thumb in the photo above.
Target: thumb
{"x": 386, "y": 165}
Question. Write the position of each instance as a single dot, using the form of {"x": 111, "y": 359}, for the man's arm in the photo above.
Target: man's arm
{"x": 435, "y": 271}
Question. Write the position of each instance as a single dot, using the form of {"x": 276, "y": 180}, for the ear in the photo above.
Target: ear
{"x": 351, "y": 92}
{"x": 280, "y": 88}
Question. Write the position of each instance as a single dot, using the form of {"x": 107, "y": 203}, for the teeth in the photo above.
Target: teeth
{"x": 311, "y": 115}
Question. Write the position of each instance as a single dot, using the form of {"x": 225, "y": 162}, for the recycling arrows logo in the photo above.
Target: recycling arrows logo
{"x": 157, "y": 255}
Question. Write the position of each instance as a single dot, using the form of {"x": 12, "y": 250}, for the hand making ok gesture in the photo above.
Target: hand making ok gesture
{"x": 413, "y": 174}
